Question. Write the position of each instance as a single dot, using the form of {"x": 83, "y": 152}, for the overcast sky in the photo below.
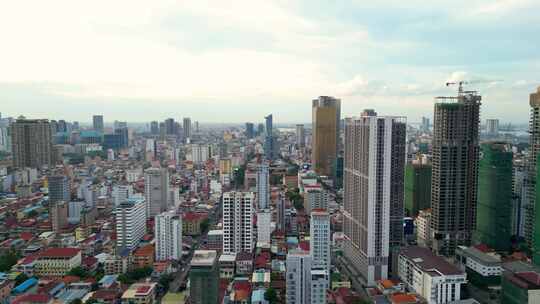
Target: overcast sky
{"x": 235, "y": 61}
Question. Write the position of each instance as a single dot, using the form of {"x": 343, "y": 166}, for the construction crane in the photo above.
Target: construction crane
{"x": 462, "y": 82}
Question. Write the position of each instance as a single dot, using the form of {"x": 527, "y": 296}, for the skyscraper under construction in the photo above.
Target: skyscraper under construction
{"x": 454, "y": 177}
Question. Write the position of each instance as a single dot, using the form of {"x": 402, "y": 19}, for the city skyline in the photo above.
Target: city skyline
{"x": 249, "y": 58}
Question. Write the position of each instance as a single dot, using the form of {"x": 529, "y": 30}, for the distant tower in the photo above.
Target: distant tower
{"x": 492, "y": 127}
{"x": 373, "y": 192}
{"x": 97, "y": 122}
{"x": 168, "y": 236}
{"x": 325, "y": 134}
{"x": 269, "y": 140}
{"x": 156, "y": 190}
{"x": 263, "y": 186}
{"x": 187, "y": 128}
{"x": 300, "y": 136}
{"x": 31, "y": 143}
{"x": 250, "y": 130}
{"x": 454, "y": 179}
{"x": 154, "y": 128}
{"x": 238, "y": 222}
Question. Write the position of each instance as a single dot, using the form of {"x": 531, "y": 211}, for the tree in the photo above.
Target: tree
{"x": 32, "y": 213}
{"x": 205, "y": 224}
{"x": 7, "y": 260}
{"x": 92, "y": 301}
{"x": 78, "y": 272}
{"x": 270, "y": 295}
{"x": 20, "y": 278}
{"x": 76, "y": 301}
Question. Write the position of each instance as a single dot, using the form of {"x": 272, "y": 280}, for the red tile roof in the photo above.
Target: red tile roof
{"x": 60, "y": 252}
{"x": 31, "y": 298}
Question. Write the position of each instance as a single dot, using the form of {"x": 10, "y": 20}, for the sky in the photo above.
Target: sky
{"x": 238, "y": 60}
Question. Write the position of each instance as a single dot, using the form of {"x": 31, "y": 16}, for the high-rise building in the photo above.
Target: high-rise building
{"x": 373, "y": 192}
{"x": 97, "y": 123}
{"x": 130, "y": 224}
{"x": 156, "y": 190}
{"x": 170, "y": 127}
{"x": 120, "y": 193}
{"x": 264, "y": 229}
{"x": 31, "y": 143}
{"x": 320, "y": 282}
{"x": 58, "y": 213}
{"x": 520, "y": 195}
{"x": 300, "y": 135}
{"x": 199, "y": 153}
{"x": 238, "y": 222}
{"x": 269, "y": 140}
{"x": 425, "y": 124}
{"x": 417, "y": 188}
{"x": 280, "y": 214}
{"x": 59, "y": 188}
{"x": 186, "y": 126}
{"x": 319, "y": 239}
{"x": 326, "y": 116}
{"x": 492, "y": 127}
{"x": 250, "y": 130}
{"x": 298, "y": 278}
{"x": 454, "y": 178}
{"x": 263, "y": 186}
{"x": 260, "y": 129}
{"x": 204, "y": 277}
{"x": 196, "y": 126}
{"x": 494, "y": 207}
{"x": 315, "y": 197}
{"x": 168, "y": 235}
{"x": 154, "y": 128}
{"x": 123, "y": 133}
{"x": 531, "y": 166}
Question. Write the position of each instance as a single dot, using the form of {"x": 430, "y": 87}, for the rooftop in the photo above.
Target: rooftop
{"x": 429, "y": 262}
{"x": 60, "y": 253}
{"x": 204, "y": 258}
{"x": 139, "y": 290}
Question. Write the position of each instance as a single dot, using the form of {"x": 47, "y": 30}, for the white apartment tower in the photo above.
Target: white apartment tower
{"x": 298, "y": 278}
{"x": 373, "y": 192}
{"x": 121, "y": 193}
{"x": 263, "y": 186}
{"x": 238, "y": 222}
{"x": 156, "y": 190}
{"x": 130, "y": 223}
{"x": 199, "y": 153}
{"x": 315, "y": 197}
{"x": 320, "y": 240}
{"x": 168, "y": 235}
{"x": 264, "y": 229}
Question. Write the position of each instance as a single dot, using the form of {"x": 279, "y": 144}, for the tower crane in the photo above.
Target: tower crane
{"x": 462, "y": 82}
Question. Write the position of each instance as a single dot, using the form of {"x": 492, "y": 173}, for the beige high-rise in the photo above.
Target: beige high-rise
{"x": 31, "y": 143}
{"x": 325, "y": 134}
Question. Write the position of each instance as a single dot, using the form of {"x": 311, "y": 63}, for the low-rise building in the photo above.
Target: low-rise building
{"x": 140, "y": 293}
{"x": 483, "y": 269}
{"x": 423, "y": 227}
{"x": 191, "y": 223}
{"x": 227, "y": 263}
{"x": 215, "y": 240}
{"x": 57, "y": 261}
{"x": 116, "y": 264}
{"x": 144, "y": 257}
{"x": 520, "y": 283}
{"x": 432, "y": 277}
{"x": 244, "y": 263}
